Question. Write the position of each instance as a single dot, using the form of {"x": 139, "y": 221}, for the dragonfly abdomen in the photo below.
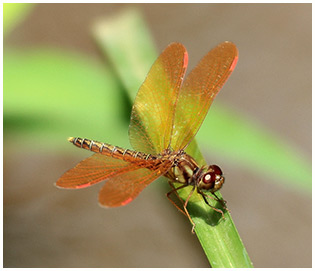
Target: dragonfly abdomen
{"x": 109, "y": 150}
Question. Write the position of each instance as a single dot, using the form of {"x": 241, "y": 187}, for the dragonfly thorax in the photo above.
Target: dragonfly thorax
{"x": 186, "y": 170}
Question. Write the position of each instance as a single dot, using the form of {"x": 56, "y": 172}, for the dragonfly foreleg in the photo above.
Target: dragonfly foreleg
{"x": 206, "y": 201}
{"x": 222, "y": 201}
{"x": 174, "y": 190}
{"x": 185, "y": 212}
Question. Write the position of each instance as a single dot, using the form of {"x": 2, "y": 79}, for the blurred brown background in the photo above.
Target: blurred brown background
{"x": 46, "y": 227}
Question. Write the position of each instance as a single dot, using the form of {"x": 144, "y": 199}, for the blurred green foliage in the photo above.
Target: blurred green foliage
{"x": 50, "y": 95}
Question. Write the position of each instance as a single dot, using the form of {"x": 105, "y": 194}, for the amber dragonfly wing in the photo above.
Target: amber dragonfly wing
{"x": 124, "y": 188}
{"x": 125, "y": 180}
{"x": 153, "y": 110}
{"x": 93, "y": 170}
{"x": 198, "y": 92}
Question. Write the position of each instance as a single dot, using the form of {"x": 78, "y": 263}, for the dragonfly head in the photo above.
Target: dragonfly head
{"x": 212, "y": 179}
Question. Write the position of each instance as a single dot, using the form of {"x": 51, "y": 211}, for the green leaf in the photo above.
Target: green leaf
{"x": 50, "y": 95}
{"x": 14, "y": 13}
{"x": 127, "y": 42}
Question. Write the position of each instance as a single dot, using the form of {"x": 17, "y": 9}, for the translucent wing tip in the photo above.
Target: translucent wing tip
{"x": 179, "y": 47}
{"x": 230, "y": 43}
{"x": 232, "y": 47}
{"x": 176, "y": 44}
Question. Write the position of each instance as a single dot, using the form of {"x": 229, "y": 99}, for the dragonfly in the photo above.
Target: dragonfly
{"x": 166, "y": 115}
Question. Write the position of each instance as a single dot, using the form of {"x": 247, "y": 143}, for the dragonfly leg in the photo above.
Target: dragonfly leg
{"x": 206, "y": 201}
{"x": 185, "y": 212}
{"x": 174, "y": 190}
{"x": 222, "y": 201}
{"x": 185, "y": 208}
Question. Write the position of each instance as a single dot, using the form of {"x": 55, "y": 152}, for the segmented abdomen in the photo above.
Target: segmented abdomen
{"x": 110, "y": 150}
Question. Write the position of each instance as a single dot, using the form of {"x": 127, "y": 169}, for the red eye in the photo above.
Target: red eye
{"x": 216, "y": 169}
{"x": 209, "y": 178}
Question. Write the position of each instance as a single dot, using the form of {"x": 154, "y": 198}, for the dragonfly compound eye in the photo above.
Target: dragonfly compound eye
{"x": 212, "y": 179}
{"x": 216, "y": 169}
{"x": 209, "y": 178}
